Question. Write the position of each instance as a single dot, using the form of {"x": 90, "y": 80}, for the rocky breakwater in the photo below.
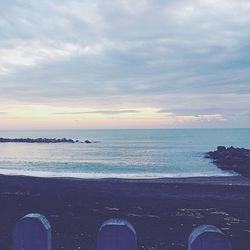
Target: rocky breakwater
{"x": 236, "y": 159}
{"x": 41, "y": 140}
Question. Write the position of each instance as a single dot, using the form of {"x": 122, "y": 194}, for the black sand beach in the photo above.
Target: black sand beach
{"x": 163, "y": 211}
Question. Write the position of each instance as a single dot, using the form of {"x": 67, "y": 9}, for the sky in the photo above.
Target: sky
{"x": 83, "y": 64}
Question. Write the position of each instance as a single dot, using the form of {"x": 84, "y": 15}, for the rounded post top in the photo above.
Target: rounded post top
{"x": 203, "y": 229}
{"x": 208, "y": 237}
{"x": 117, "y": 222}
{"x": 36, "y": 217}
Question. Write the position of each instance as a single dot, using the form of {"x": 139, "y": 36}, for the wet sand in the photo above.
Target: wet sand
{"x": 162, "y": 211}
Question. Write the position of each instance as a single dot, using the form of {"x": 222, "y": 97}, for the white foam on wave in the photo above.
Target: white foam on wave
{"x": 84, "y": 175}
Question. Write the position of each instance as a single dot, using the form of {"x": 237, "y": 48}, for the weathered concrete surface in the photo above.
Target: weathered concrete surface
{"x": 116, "y": 234}
{"x": 208, "y": 237}
{"x": 31, "y": 232}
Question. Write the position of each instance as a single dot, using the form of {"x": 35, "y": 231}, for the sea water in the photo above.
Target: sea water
{"x": 119, "y": 153}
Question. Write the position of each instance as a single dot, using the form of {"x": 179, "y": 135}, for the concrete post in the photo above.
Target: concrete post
{"x": 32, "y": 232}
{"x": 116, "y": 234}
{"x": 207, "y": 237}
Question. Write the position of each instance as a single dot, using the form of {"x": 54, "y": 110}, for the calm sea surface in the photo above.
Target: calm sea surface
{"x": 120, "y": 153}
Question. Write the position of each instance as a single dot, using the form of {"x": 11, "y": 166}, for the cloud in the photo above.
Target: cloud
{"x": 199, "y": 118}
{"x": 100, "y": 112}
{"x": 191, "y": 58}
{"x": 199, "y": 111}
{"x": 40, "y": 53}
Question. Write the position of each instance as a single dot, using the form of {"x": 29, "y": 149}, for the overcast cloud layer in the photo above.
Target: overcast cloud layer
{"x": 182, "y": 58}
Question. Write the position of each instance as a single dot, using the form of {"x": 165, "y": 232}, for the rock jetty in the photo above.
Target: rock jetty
{"x": 41, "y": 140}
{"x": 236, "y": 159}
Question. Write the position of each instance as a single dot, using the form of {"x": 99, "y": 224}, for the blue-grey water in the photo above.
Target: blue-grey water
{"x": 120, "y": 153}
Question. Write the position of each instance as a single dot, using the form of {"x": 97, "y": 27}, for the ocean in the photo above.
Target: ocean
{"x": 146, "y": 153}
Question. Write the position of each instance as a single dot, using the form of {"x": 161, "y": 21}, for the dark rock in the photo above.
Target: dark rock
{"x": 43, "y": 140}
{"x": 37, "y": 140}
{"x": 236, "y": 159}
{"x": 221, "y": 148}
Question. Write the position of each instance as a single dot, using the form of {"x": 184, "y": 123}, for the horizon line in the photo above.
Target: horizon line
{"x": 185, "y": 128}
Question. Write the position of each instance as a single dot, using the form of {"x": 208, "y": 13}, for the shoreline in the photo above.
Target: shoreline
{"x": 211, "y": 180}
{"x": 96, "y": 176}
{"x": 163, "y": 211}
